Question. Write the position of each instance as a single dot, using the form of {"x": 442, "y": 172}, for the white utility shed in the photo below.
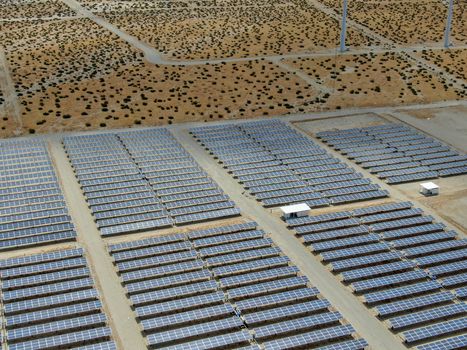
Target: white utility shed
{"x": 429, "y": 189}
{"x": 295, "y": 211}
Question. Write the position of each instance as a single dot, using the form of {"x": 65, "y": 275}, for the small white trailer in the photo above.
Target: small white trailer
{"x": 429, "y": 189}
{"x": 295, "y": 211}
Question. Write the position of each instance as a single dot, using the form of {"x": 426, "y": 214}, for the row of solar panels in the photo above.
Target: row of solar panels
{"x": 401, "y": 263}
{"x": 49, "y": 302}
{"x": 135, "y": 181}
{"x": 227, "y": 286}
{"x": 397, "y": 153}
{"x": 279, "y": 166}
{"x": 32, "y": 207}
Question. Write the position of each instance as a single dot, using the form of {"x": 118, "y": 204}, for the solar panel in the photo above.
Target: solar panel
{"x": 372, "y": 271}
{"x": 354, "y": 251}
{"x": 344, "y": 242}
{"x": 171, "y": 293}
{"x": 461, "y": 293}
{"x": 357, "y": 344}
{"x": 184, "y": 318}
{"x": 152, "y": 250}
{"x": 411, "y": 304}
{"x": 18, "y": 334}
{"x": 49, "y": 300}
{"x": 441, "y": 257}
{"x": 50, "y": 314}
{"x": 408, "y": 145}
{"x": 276, "y": 300}
{"x": 369, "y": 219}
{"x": 250, "y": 266}
{"x": 326, "y": 226}
{"x": 257, "y": 277}
{"x": 449, "y": 268}
{"x": 332, "y": 234}
{"x": 404, "y": 291}
{"x": 67, "y": 339}
{"x": 285, "y": 312}
{"x": 215, "y": 342}
{"x": 422, "y": 239}
{"x": 310, "y": 338}
{"x": 276, "y": 161}
{"x": 192, "y": 331}
{"x": 108, "y": 345}
{"x": 161, "y": 270}
{"x": 169, "y": 281}
{"x": 232, "y": 237}
{"x": 299, "y": 324}
{"x": 351, "y": 263}
{"x": 179, "y": 305}
{"x": 388, "y": 281}
{"x": 412, "y": 231}
{"x": 267, "y": 287}
{"x": 318, "y": 218}
{"x": 435, "y": 247}
{"x": 434, "y": 314}
{"x": 458, "y": 342}
{"x": 383, "y": 226}
{"x": 443, "y": 328}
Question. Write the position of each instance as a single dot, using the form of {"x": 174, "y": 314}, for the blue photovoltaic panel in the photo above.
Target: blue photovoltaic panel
{"x": 258, "y": 159}
{"x": 394, "y": 293}
{"x": 421, "y": 317}
{"x": 31, "y": 198}
{"x": 129, "y": 177}
{"x": 443, "y": 328}
{"x": 405, "y": 155}
{"x": 310, "y": 338}
{"x": 180, "y": 302}
{"x": 457, "y": 342}
{"x": 414, "y": 303}
{"x": 49, "y": 301}
{"x": 284, "y": 312}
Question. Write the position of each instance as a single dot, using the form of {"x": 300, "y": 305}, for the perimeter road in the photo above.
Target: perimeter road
{"x": 367, "y": 325}
{"x": 125, "y": 329}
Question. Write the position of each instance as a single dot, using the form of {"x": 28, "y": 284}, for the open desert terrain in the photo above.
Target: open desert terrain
{"x": 86, "y": 64}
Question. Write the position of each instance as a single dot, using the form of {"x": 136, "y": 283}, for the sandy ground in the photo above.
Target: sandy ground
{"x": 376, "y": 80}
{"x": 72, "y": 74}
{"x": 347, "y": 122}
{"x": 454, "y": 61}
{"x": 169, "y": 94}
{"x": 407, "y": 21}
{"x": 260, "y": 28}
{"x": 447, "y": 124}
{"x": 36, "y": 8}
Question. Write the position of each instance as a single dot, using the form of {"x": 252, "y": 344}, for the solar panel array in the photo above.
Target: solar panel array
{"x": 285, "y": 169}
{"x": 409, "y": 269}
{"x": 49, "y": 302}
{"x": 225, "y": 287}
{"x": 32, "y": 206}
{"x": 141, "y": 180}
{"x": 397, "y": 153}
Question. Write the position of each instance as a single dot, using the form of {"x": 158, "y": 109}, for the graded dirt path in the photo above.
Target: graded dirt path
{"x": 11, "y": 105}
{"x": 125, "y": 329}
{"x": 150, "y": 53}
{"x": 367, "y": 325}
